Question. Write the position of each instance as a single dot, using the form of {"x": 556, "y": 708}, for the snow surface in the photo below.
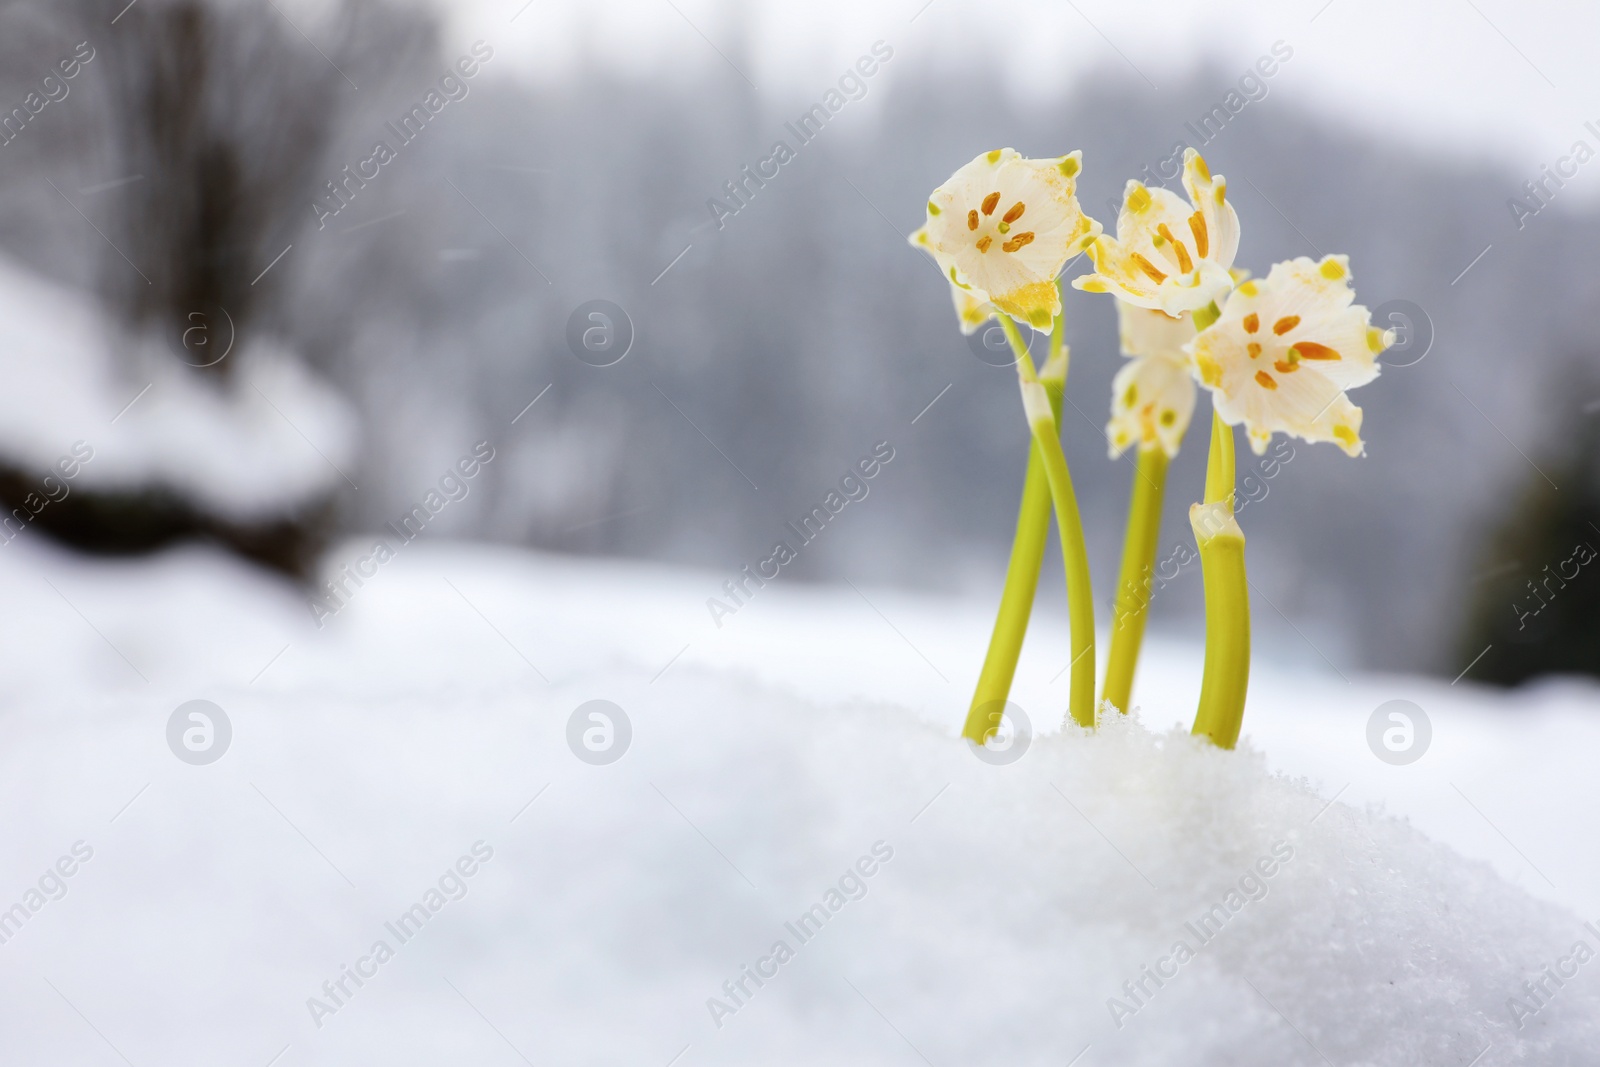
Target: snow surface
{"x": 275, "y": 438}
{"x": 769, "y": 758}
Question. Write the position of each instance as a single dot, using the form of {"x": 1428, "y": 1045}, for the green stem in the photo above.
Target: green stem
{"x": 1227, "y": 664}
{"x": 1016, "y": 600}
{"x": 1134, "y": 581}
{"x": 1074, "y": 554}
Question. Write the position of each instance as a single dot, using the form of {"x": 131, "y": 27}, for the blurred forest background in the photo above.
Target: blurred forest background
{"x": 771, "y": 353}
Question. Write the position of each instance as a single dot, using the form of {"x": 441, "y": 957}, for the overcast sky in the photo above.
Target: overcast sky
{"x": 1463, "y": 77}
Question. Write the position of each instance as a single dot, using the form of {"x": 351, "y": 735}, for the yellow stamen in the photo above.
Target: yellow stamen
{"x": 1265, "y": 380}
{"x": 1285, "y": 324}
{"x": 1202, "y": 236}
{"x": 1018, "y": 241}
{"x": 1312, "y": 350}
{"x": 1015, "y": 213}
{"x": 1254, "y": 349}
{"x": 1252, "y": 322}
{"x": 1149, "y": 268}
{"x": 985, "y": 241}
{"x": 972, "y": 220}
{"x": 1185, "y": 264}
{"x": 1284, "y": 367}
{"x": 989, "y": 203}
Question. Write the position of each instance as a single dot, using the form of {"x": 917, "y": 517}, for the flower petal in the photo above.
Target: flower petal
{"x": 1146, "y": 332}
{"x": 1209, "y": 196}
{"x": 971, "y": 311}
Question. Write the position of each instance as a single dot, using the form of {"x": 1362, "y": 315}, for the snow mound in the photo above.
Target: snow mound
{"x": 774, "y": 872}
{"x": 1029, "y": 911}
{"x": 255, "y": 447}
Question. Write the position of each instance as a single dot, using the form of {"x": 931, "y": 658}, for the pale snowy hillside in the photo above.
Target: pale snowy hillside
{"x": 410, "y": 776}
{"x": 270, "y": 440}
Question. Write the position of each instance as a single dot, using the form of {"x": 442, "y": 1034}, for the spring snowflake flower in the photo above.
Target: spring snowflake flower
{"x": 1286, "y": 348}
{"x": 971, "y": 310}
{"x": 1152, "y": 397}
{"x": 1002, "y": 228}
{"x": 1167, "y": 254}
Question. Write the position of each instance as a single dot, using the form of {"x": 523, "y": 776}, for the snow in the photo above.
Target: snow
{"x": 986, "y": 913}
{"x": 274, "y": 439}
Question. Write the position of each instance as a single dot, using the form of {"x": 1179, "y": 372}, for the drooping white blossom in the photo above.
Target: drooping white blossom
{"x": 1002, "y": 228}
{"x": 1285, "y": 349}
{"x": 1168, "y": 255}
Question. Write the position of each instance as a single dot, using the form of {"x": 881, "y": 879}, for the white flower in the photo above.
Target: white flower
{"x": 1168, "y": 254}
{"x": 1286, "y": 348}
{"x": 971, "y": 311}
{"x": 1152, "y": 397}
{"x": 1003, "y": 227}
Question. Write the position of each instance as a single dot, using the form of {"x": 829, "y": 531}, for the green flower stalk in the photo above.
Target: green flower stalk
{"x": 1022, "y": 573}
{"x": 1221, "y": 542}
{"x": 1152, "y": 401}
{"x": 1074, "y": 553}
{"x": 1134, "y": 582}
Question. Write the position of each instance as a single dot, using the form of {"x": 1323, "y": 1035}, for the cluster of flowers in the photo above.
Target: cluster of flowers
{"x": 1277, "y": 355}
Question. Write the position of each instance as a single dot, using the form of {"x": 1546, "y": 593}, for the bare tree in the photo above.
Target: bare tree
{"x": 226, "y": 111}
